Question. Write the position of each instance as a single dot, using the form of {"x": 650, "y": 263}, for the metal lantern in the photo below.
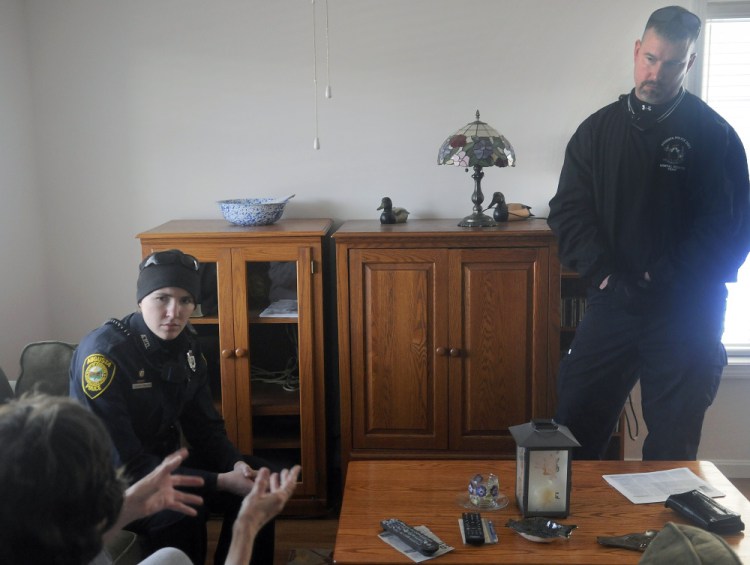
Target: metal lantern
{"x": 543, "y": 468}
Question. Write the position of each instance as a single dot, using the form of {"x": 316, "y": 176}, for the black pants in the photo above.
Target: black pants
{"x": 189, "y": 534}
{"x": 673, "y": 347}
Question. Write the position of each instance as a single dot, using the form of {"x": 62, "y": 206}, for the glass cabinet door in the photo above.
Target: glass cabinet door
{"x": 260, "y": 324}
{"x": 273, "y": 323}
{"x": 255, "y": 325}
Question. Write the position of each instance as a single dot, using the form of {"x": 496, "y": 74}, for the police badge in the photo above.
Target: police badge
{"x": 98, "y": 373}
{"x": 191, "y": 360}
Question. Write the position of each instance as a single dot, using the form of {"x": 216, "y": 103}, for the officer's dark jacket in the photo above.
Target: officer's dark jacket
{"x": 670, "y": 198}
{"x": 145, "y": 390}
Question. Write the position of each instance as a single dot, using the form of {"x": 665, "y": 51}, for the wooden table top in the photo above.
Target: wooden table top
{"x": 430, "y": 493}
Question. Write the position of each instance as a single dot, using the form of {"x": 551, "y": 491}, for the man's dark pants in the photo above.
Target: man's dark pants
{"x": 671, "y": 342}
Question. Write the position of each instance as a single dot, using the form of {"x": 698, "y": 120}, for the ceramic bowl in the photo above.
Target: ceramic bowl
{"x": 253, "y": 211}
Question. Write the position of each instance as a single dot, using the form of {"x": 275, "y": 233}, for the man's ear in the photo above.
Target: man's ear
{"x": 636, "y": 48}
{"x": 690, "y": 62}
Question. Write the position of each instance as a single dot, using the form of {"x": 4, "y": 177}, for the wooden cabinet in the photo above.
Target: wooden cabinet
{"x": 447, "y": 336}
{"x": 266, "y": 368}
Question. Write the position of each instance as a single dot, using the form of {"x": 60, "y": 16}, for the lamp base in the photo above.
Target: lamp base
{"x": 477, "y": 220}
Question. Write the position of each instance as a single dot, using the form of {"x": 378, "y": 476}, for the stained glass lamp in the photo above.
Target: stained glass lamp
{"x": 477, "y": 145}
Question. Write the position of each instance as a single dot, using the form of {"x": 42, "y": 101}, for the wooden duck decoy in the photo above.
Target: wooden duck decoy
{"x": 390, "y": 214}
{"x": 501, "y": 208}
{"x": 519, "y": 211}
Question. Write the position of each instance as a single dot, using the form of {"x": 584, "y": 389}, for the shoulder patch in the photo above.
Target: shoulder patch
{"x": 98, "y": 373}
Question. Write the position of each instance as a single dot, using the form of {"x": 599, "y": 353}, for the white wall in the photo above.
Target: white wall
{"x": 149, "y": 110}
{"x": 24, "y": 304}
{"x": 725, "y": 428}
{"x": 116, "y": 116}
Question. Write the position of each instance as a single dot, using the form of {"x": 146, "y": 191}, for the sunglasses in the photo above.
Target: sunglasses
{"x": 171, "y": 257}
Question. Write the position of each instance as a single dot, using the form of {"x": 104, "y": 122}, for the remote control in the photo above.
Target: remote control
{"x": 413, "y": 538}
{"x": 473, "y": 531}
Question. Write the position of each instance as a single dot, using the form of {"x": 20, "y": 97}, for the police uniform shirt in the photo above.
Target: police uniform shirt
{"x": 146, "y": 390}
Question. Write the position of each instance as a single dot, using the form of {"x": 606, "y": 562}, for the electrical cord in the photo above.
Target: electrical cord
{"x": 288, "y": 377}
{"x": 635, "y": 419}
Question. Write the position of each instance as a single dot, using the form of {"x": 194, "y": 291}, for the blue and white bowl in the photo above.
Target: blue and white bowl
{"x": 253, "y": 211}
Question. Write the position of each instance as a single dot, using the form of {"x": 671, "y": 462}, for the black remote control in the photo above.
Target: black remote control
{"x": 413, "y": 538}
{"x": 473, "y": 530}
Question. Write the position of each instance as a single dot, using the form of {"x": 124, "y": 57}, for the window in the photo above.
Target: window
{"x": 726, "y": 88}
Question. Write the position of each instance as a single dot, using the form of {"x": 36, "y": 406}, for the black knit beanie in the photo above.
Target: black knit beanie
{"x": 168, "y": 268}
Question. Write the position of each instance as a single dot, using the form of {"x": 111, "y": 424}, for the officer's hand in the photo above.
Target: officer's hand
{"x": 247, "y": 471}
{"x": 239, "y": 480}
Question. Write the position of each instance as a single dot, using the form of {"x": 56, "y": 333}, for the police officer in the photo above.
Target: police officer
{"x": 653, "y": 208}
{"x": 147, "y": 380}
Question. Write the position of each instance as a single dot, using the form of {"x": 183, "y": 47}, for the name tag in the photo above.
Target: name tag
{"x": 136, "y": 386}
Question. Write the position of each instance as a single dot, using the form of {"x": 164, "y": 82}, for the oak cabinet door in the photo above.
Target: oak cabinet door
{"x": 498, "y": 320}
{"x": 398, "y": 321}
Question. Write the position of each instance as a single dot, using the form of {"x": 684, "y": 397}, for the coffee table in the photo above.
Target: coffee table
{"x": 427, "y": 492}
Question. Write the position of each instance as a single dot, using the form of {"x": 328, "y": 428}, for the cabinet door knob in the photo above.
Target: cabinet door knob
{"x": 227, "y": 353}
{"x": 240, "y": 352}
{"x": 441, "y": 351}
{"x": 455, "y": 352}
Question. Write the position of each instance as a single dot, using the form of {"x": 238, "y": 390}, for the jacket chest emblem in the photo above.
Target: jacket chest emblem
{"x": 674, "y": 153}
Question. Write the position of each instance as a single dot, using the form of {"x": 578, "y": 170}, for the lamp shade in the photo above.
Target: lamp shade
{"x": 477, "y": 144}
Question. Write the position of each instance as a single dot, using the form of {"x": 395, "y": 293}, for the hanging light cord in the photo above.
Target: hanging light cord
{"x": 328, "y": 57}
{"x": 316, "y": 141}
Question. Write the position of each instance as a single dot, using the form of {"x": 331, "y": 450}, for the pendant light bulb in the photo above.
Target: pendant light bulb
{"x": 316, "y": 143}
{"x": 328, "y": 91}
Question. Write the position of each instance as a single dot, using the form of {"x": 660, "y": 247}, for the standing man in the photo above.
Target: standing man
{"x": 653, "y": 210}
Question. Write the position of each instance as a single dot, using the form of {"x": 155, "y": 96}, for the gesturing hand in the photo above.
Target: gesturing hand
{"x": 266, "y": 499}
{"x": 157, "y": 491}
{"x": 269, "y": 495}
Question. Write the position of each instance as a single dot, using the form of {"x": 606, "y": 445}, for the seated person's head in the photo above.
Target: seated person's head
{"x": 59, "y": 490}
{"x": 167, "y": 290}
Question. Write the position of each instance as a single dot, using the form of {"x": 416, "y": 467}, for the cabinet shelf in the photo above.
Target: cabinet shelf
{"x": 204, "y": 320}
{"x": 272, "y": 400}
{"x": 276, "y": 432}
{"x": 255, "y": 318}
{"x": 276, "y": 441}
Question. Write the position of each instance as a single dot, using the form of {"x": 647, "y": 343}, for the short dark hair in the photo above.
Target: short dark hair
{"x": 675, "y": 23}
{"x": 59, "y": 488}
